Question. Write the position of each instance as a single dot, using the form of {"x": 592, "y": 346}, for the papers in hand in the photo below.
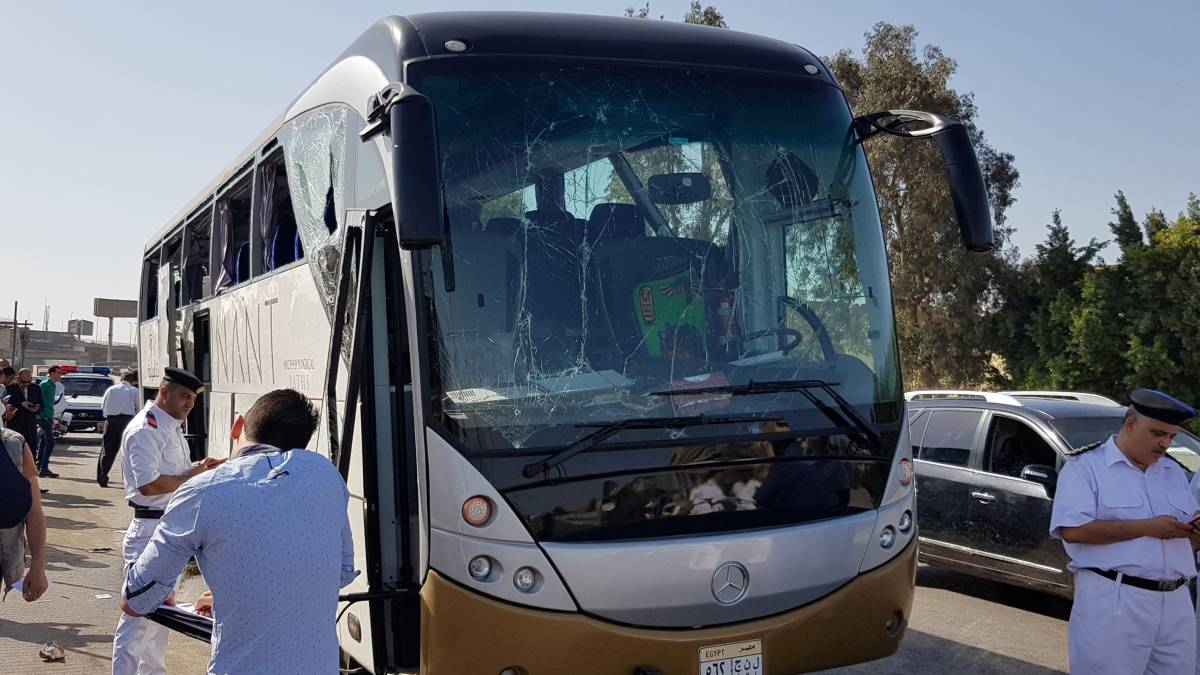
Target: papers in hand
{"x": 20, "y": 583}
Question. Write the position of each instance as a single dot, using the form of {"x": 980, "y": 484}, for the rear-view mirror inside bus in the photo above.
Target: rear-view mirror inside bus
{"x": 679, "y": 188}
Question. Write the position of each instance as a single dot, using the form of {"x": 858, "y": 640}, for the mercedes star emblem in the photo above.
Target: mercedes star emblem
{"x": 729, "y": 583}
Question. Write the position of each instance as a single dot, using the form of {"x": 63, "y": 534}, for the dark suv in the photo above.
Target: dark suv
{"x": 987, "y": 465}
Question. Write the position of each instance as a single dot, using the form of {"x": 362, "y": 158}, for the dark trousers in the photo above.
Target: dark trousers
{"x": 29, "y": 431}
{"x": 114, "y": 426}
{"x": 46, "y": 426}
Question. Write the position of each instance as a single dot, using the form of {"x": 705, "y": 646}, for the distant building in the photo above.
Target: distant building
{"x": 35, "y": 347}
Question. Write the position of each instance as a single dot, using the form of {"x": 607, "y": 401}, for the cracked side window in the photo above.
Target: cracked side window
{"x": 315, "y": 152}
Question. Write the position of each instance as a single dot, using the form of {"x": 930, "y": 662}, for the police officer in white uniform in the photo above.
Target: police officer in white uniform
{"x": 1123, "y": 516}
{"x": 154, "y": 462}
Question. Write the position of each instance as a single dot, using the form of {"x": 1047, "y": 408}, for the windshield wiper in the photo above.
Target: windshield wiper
{"x": 865, "y": 428}
{"x": 606, "y": 429}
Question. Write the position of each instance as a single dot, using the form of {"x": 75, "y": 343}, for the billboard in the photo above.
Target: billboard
{"x": 115, "y": 309}
{"x": 80, "y": 327}
{"x": 51, "y": 341}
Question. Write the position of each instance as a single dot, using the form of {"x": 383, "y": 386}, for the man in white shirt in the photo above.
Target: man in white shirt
{"x": 120, "y": 403}
{"x": 272, "y": 517}
{"x": 1123, "y": 514}
{"x": 154, "y": 463}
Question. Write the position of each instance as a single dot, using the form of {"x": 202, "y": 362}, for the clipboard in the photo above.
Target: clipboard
{"x": 189, "y": 623}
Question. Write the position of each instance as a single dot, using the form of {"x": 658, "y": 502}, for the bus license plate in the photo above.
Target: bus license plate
{"x": 738, "y": 658}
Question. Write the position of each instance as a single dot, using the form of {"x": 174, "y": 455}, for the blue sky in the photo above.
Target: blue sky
{"x": 116, "y": 114}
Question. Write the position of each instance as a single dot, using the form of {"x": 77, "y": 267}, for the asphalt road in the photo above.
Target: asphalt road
{"x": 965, "y": 625}
{"x": 959, "y": 624}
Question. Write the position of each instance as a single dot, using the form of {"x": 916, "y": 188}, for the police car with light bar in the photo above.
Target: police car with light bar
{"x": 78, "y": 409}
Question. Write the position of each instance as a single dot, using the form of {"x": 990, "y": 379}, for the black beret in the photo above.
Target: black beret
{"x": 183, "y": 378}
{"x": 1160, "y": 406}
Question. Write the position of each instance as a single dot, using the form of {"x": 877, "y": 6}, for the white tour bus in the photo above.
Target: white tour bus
{"x": 598, "y": 318}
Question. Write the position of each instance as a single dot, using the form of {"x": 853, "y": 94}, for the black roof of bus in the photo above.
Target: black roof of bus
{"x": 602, "y": 37}
{"x": 394, "y": 41}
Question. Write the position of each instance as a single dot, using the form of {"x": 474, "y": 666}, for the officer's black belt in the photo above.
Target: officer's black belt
{"x": 1141, "y": 582}
{"x": 143, "y": 512}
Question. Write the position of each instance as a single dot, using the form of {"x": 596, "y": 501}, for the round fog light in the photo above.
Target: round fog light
{"x": 905, "y": 523}
{"x": 525, "y": 579}
{"x": 887, "y": 537}
{"x": 480, "y": 568}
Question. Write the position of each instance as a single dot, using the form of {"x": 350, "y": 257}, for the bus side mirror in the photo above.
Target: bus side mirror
{"x": 967, "y": 188}
{"x": 416, "y": 170}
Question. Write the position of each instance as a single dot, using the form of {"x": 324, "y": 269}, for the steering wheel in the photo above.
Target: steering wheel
{"x": 828, "y": 352}
{"x": 796, "y": 338}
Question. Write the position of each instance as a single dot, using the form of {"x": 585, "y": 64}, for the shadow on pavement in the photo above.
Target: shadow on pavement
{"x": 931, "y": 655}
{"x": 86, "y": 441}
{"x": 56, "y": 523}
{"x": 59, "y": 560}
{"x": 69, "y": 635}
{"x": 994, "y": 591}
{"x": 85, "y": 481}
{"x": 62, "y": 500}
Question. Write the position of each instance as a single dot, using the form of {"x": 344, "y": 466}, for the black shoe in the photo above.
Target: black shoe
{"x": 47, "y": 473}
{"x": 44, "y": 490}
{"x": 102, "y": 483}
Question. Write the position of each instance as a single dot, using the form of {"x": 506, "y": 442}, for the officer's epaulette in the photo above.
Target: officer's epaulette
{"x": 1083, "y": 448}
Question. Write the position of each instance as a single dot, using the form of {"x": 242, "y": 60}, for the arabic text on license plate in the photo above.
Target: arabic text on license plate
{"x": 738, "y": 658}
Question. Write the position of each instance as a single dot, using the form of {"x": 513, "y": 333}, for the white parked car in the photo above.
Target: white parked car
{"x": 82, "y": 393}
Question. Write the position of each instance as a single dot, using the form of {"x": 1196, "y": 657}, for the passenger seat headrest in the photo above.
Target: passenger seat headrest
{"x": 614, "y": 222}
{"x": 547, "y": 216}
{"x": 502, "y": 225}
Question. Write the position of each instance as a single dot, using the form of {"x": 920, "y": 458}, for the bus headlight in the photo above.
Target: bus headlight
{"x": 887, "y": 538}
{"x": 526, "y": 579}
{"x": 480, "y": 568}
{"x": 906, "y": 521}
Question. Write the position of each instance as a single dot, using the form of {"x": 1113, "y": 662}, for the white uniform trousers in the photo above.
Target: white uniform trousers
{"x": 1121, "y": 630}
{"x": 139, "y": 644}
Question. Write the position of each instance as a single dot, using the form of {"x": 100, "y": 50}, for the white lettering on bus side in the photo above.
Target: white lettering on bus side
{"x": 237, "y": 338}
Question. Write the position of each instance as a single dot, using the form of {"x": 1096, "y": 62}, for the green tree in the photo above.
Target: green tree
{"x": 1137, "y": 323}
{"x": 1192, "y": 211}
{"x": 704, "y": 16}
{"x": 1156, "y": 222}
{"x": 1033, "y": 328}
{"x": 941, "y": 292}
{"x": 708, "y": 16}
{"x": 1125, "y": 229}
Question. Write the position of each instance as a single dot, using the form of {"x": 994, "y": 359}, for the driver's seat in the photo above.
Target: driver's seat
{"x": 654, "y": 293}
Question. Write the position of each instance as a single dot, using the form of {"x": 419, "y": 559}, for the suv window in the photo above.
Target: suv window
{"x": 917, "y": 419}
{"x": 949, "y": 437}
{"x": 1012, "y": 444}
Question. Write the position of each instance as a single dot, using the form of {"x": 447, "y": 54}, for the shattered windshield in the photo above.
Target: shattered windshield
{"x": 619, "y": 235}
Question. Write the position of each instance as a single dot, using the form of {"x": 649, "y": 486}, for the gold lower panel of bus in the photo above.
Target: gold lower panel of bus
{"x": 464, "y": 633}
